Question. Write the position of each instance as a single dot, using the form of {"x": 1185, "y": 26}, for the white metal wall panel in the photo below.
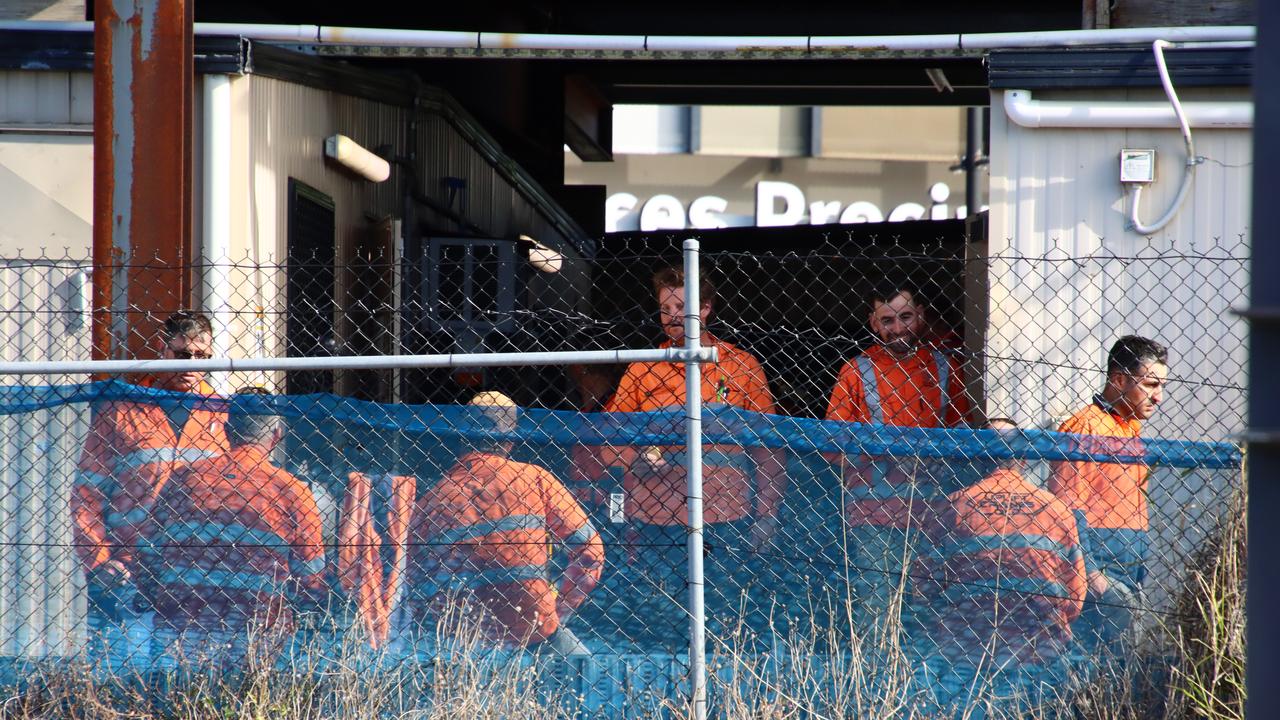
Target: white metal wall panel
{"x": 1056, "y": 200}
{"x": 45, "y": 317}
{"x": 46, "y": 97}
{"x": 287, "y": 127}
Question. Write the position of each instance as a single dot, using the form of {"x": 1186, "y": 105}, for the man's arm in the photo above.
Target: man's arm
{"x": 959, "y": 405}
{"x": 569, "y": 524}
{"x": 306, "y": 546}
{"x": 847, "y": 400}
{"x": 93, "y": 484}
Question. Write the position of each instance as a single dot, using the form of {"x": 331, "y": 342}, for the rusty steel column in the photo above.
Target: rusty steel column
{"x": 142, "y": 109}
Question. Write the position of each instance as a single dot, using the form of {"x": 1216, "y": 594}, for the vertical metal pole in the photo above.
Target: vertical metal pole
{"x": 1264, "y": 385}
{"x": 693, "y": 453}
{"x": 973, "y": 152}
{"x": 142, "y": 85}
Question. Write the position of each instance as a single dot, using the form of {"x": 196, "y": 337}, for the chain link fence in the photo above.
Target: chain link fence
{"x": 894, "y": 526}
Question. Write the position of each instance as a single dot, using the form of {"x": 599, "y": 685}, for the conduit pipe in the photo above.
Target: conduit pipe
{"x": 333, "y": 35}
{"x": 1025, "y": 110}
{"x": 361, "y": 362}
{"x": 1189, "y": 170}
{"x": 215, "y": 239}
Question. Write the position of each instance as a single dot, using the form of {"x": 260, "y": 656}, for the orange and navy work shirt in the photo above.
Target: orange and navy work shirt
{"x": 1109, "y": 498}
{"x": 483, "y": 534}
{"x": 925, "y": 390}
{"x": 1112, "y": 495}
{"x": 738, "y": 483}
{"x": 232, "y": 539}
{"x": 907, "y": 393}
{"x": 131, "y": 451}
{"x": 1011, "y": 565}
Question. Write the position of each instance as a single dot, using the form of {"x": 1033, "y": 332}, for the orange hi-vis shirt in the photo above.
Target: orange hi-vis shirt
{"x": 1012, "y": 562}
{"x": 906, "y": 393}
{"x": 738, "y": 483}
{"x": 371, "y": 565}
{"x": 232, "y": 539}
{"x": 130, "y": 453}
{"x": 484, "y": 532}
{"x": 1113, "y": 496}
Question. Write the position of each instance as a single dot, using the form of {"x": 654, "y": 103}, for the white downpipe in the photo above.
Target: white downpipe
{"x": 363, "y": 362}
{"x": 693, "y": 474}
{"x": 215, "y": 242}
{"x": 327, "y": 34}
{"x": 1188, "y": 171}
{"x": 1026, "y": 111}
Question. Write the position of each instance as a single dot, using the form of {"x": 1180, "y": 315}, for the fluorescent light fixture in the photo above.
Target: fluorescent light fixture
{"x": 348, "y": 153}
{"x": 541, "y": 257}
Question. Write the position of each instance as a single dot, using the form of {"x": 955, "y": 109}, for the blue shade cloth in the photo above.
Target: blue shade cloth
{"x": 721, "y": 424}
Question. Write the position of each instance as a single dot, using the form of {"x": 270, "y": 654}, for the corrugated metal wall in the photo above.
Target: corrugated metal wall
{"x": 1056, "y": 201}
{"x": 45, "y": 317}
{"x": 46, "y": 97}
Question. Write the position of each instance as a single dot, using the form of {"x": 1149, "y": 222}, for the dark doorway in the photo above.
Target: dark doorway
{"x": 310, "y": 286}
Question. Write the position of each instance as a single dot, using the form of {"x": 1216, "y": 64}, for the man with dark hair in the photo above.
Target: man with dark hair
{"x": 138, "y": 445}
{"x": 1111, "y": 498}
{"x": 893, "y": 507}
{"x": 233, "y": 546}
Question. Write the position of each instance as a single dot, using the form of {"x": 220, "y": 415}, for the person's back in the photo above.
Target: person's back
{"x": 482, "y": 536}
{"x": 1012, "y": 568}
{"x": 234, "y": 543}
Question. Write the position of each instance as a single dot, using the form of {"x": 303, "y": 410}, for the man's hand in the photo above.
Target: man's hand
{"x": 1098, "y": 583}
{"x": 649, "y": 462}
{"x": 110, "y": 574}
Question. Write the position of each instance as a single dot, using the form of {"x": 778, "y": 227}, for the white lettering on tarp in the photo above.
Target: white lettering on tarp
{"x": 778, "y": 203}
{"x": 939, "y": 194}
{"x": 860, "y": 212}
{"x": 821, "y": 213}
{"x": 907, "y": 211}
{"x": 704, "y": 212}
{"x": 662, "y": 212}
{"x": 768, "y": 192}
{"x": 616, "y": 207}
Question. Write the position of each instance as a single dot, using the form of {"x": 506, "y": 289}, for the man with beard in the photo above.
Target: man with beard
{"x": 742, "y": 487}
{"x": 893, "y": 508}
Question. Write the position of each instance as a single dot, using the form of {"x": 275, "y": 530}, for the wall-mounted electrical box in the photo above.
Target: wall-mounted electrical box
{"x": 1137, "y": 165}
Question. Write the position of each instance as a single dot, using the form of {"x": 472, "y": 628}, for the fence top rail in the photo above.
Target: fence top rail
{"x": 362, "y": 362}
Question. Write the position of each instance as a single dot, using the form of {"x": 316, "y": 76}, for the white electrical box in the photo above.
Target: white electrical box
{"x": 1137, "y": 165}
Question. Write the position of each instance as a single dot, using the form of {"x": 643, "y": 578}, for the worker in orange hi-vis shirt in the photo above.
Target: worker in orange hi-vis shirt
{"x": 233, "y": 549}
{"x": 742, "y": 487}
{"x": 482, "y": 541}
{"x": 1011, "y": 567}
{"x": 373, "y": 549}
{"x": 1111, "y": 498}
{"x": 131, "y": 451}
{"x": 893, "y": 507}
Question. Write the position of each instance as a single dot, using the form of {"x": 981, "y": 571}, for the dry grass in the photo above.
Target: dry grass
{"x": 820, "y": 672}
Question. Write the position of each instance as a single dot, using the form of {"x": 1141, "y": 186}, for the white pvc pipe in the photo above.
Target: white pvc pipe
{"x": 327, "y": 34}
{"x": 215, "y": 241}
{"x": 693, "y": 474}
{"x": 1026, "y": 111}
{"x": 365, "y": 362}
{"x": 1188, "y": 171}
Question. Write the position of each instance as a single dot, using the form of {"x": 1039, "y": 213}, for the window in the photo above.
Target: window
{"x": 469, "y": 284}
